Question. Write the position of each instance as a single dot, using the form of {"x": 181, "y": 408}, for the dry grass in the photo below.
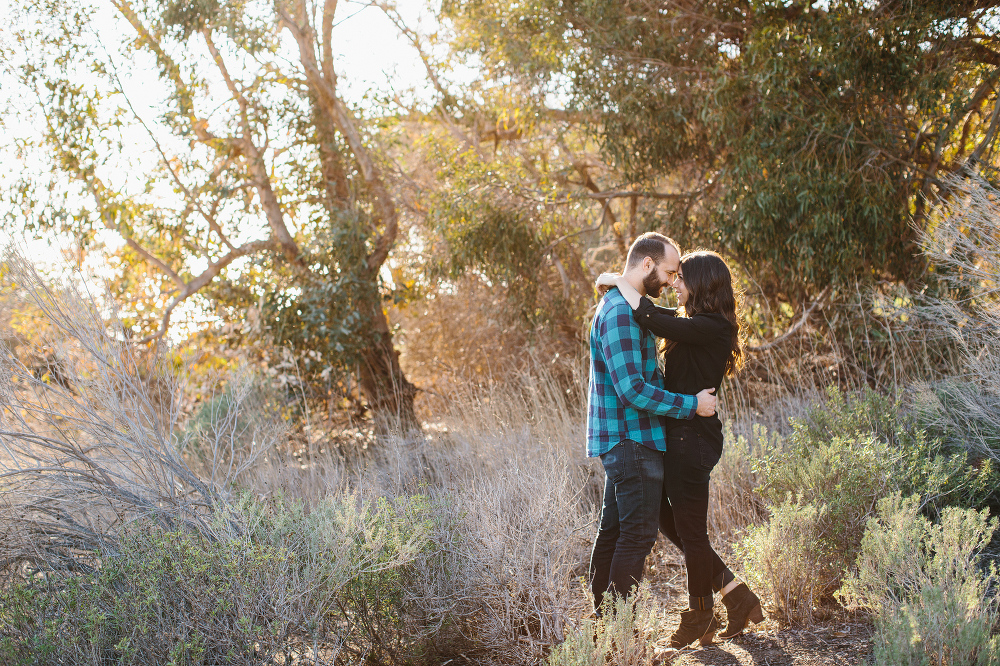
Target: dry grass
{"x": 964, "y": 245}
{"x": 87, "y": 437}
{"x": 479, "y": 531}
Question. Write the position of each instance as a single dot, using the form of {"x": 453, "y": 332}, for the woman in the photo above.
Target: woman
{"x": 700, "y": 348}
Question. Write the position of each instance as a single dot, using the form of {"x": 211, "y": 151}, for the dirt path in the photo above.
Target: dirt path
{"x": 840, "y": 641}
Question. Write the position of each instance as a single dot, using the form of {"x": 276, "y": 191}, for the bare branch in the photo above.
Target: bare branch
{"x": 329, "y": 9}
{"x": 621, "y": 194}
{"x": 596, "y": 227}
{"x": 795, "y": 327}
{"x": 261, "y": 180}
{"x": 334, "y": 109}
{"x": 206, "y": 276}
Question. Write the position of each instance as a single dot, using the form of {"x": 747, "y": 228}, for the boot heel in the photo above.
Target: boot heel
{"x": 756, "y": 615}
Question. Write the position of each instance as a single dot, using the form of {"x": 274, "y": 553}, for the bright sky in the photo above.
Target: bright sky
{"x": 372, "y": 60}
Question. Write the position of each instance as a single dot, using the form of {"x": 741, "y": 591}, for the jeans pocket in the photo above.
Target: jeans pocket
{"x": 615, "y": 462}
{"x": 710, "y": 457}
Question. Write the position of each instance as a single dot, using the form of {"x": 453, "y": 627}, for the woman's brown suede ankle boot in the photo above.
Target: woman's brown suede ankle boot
{"x": 742, "y": 608}
{"x": 696, "y": 625}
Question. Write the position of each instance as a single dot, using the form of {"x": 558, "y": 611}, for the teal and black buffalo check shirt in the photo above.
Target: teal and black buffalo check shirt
{"x": 625, "y": 399}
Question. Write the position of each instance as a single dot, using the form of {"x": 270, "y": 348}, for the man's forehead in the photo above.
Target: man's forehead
{"x": 670, "y": 259}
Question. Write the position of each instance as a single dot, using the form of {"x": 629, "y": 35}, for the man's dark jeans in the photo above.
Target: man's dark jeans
{"x": 688, "y": 464}
{"x": 629, "y": 518}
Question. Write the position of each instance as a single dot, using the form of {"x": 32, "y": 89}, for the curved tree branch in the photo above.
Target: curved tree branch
{"x": 255, "y": 160}
{"x": 795, "y": 327}
{"x": 194, "y": 286}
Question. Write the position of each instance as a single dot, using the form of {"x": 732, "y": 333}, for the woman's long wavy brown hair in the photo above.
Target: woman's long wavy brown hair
{"x": 710, "y": 289}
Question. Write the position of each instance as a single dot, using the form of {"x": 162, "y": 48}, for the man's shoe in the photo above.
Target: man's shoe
{"x": 696, "y": 625}
{"x": 742, "y": 608}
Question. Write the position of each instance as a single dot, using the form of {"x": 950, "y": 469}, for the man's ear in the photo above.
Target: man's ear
{"x": 647, "y": 264}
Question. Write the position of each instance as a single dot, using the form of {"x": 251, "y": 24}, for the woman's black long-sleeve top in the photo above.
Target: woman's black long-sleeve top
{"x": 696, "y": 362}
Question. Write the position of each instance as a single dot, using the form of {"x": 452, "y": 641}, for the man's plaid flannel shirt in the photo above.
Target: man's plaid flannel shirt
{"x": 625, "y": 400}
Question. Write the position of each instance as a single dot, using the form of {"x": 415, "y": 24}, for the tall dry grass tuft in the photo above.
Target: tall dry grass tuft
{"x": 964, "y": 245}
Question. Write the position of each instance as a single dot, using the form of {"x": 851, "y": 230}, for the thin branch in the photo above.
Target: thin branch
{"x": 198, "y": 125}
{"x": 212, "y": 224}
{"x": 795, "y": 328}
{"x": 201, "y": 281}
{"x": 596, "y": 227}
{"x": 621, "y": 194}
{"x": 255, "y": 160}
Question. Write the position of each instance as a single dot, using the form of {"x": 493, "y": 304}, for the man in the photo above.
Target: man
{"x": 624, "y": 425}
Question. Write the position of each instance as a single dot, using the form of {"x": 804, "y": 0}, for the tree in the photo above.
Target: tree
{"x": 811, "y": 138}
{"x": 268, "y": 193}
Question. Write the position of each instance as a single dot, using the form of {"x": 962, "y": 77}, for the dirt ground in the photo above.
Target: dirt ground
{"x": 842, "y": 640}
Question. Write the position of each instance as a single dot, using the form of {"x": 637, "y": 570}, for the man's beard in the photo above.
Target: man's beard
{"x": 652, "y": 284}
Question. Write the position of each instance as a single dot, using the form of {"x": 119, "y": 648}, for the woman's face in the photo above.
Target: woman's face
{"x": 680, "y": 288}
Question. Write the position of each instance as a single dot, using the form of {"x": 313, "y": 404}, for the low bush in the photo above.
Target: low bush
{"x": 919, "y": 461}
{"x": 623, "y": 636}
{"x": 932, "y": 604}
{"x": 328, "y": 581}
{"x": 786, "y": 559}
{"x": 824, "y": 481}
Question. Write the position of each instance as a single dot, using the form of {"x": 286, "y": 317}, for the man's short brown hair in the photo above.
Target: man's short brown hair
{"x": 650, "y": 244}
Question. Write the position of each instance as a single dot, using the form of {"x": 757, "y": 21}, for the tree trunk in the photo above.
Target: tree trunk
{"x": 385, "y": 387}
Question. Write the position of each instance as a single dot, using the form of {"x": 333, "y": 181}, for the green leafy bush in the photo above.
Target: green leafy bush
{"x": 333, "y": 577}
{"x": 161, "y": 597}
{"x": 786, "y": 559}
{"x": 920, "y": 461}
{"x": 840, "y": 459}
{"x": 931, "y": 602}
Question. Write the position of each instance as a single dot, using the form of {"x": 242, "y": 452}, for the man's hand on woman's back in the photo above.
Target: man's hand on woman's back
{"x": 706, "y": 402}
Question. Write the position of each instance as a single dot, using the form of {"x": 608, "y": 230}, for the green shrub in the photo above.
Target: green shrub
{"x": 334, "y": 577}
{"x": 160, "y": 597}
{"x": 931, "y": 602}
{"x": 842, "y": 477}
{"x": 840, "y": 459}
{"x": 921, "y": 462}
{"x": 353, "y": 561}
{"x": 622, "y": 636}
{"x": 786, "y": 560}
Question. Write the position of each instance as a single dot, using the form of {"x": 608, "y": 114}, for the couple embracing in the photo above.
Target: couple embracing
{"x": 657, "y": 434}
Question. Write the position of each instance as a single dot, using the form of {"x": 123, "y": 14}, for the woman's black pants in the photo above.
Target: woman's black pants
{"x": 687, "y": 469}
